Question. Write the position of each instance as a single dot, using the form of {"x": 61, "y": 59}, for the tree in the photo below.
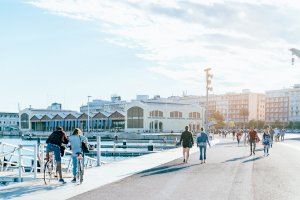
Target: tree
{"x": 219, "y": 119}
{"x": 245, "y": 114}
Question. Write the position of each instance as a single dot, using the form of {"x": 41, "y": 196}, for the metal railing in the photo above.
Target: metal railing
{"x": 29, "y": 160}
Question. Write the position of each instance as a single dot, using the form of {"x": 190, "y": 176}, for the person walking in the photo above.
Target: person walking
{"x": 266, "y": 141}
{"x": 187, "y": 142}
{"x": 253, "y": 138}
{"x": 245, "y": 137}
{"x": 239, "y": 136}
{"x": 282, "y": 135}
{"x": 76, "y": 146}
{"x": 272, "y": 137}
{"x": 202, "y": 141}
{"x": 54, "y": 144}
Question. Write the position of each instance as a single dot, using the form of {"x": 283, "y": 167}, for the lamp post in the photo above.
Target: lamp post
{"x": 209, "y": 77}
{"x": 88, "y": 122}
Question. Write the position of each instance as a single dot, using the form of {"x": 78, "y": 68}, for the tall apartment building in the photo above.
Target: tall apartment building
{"x": 283, "y": 105}
{"x": 230, "y": 105}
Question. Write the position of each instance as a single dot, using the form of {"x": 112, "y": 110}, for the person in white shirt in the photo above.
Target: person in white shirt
{"x": 76, "y": 146}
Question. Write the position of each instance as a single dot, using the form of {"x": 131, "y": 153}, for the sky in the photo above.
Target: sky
{"x": 64, "y": 50}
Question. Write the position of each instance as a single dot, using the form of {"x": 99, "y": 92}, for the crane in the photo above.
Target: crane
{"x": 295, "y": 52}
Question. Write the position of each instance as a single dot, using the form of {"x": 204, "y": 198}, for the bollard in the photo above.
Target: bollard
{"x": 98, "y": 151}
{"x": 20, "y": 163}
{"x": 150, "y": 146}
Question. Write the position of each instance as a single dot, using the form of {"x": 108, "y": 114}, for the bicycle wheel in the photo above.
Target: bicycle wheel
{"x": 49, "y": 172}
{"x": 79, "y": 176}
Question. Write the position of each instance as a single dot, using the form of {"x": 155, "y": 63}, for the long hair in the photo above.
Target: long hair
{"x": 77, "y": 131}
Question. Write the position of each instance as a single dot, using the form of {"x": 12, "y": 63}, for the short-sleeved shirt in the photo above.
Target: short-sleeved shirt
{"x": 75, "y": 141}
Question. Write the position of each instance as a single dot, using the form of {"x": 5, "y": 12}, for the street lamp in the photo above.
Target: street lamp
{"x": 209, "y": 77}
{"x": 88, "y": 122}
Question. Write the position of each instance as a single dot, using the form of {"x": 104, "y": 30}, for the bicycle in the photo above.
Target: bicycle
{"x": 50, "y": 171}
{"x": 80, "y": 168}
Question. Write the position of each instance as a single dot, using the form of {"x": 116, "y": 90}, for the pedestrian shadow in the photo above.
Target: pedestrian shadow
{"x": 12, "y": 193}
{"x": 159, "y": 168}
{"x": 252, "y": 159}
{"x": 169, "y": 170}
{"x": 235, "y": 159}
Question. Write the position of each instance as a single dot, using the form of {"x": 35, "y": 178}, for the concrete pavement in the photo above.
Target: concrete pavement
{"x": 229, "y": 174}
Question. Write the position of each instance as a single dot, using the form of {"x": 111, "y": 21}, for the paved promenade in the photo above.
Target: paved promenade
{"x": 94, "y": 178}
{"x": 229, "y": 174}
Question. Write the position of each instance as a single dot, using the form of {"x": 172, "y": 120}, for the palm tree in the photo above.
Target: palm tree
{"x": 245, "y": 114}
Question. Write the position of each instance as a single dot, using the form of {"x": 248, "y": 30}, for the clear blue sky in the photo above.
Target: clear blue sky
{"x": 66, "y": 50}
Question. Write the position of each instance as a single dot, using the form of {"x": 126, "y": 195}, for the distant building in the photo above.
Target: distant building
{"x": 160, "y": 116}
{"x": 99, "y": 105}
{"x": 9, "y": 121}
{"x": 55, "y": 106}
{"x": 283, "y": 105}
{"x": 230, "y": 105}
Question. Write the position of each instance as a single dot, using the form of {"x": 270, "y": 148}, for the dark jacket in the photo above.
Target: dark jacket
{"x": 58, "y": 138}
{"x": 187, "y": 139}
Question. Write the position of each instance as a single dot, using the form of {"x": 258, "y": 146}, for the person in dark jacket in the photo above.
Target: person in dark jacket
{"x": 187, "y": 142}
{"x": 54, "y": 144}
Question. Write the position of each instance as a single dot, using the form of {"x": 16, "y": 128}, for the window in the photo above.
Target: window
{"x": 135, "y": 117}
{"x": 175, "y": 114}
{"x": 195, "y": 115}
{"x": 24, "y": 121}
{"x": 156, "y": 113}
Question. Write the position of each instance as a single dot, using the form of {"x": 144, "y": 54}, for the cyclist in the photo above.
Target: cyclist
{"x": 54, "y": 144}
{"x": 76, "y": 146}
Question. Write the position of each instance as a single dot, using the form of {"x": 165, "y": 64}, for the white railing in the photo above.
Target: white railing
{"x": 22, "y": 158}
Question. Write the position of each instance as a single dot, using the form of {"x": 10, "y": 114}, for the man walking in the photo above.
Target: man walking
{"x": 202, "y": 141}
{"x": 187, "y": 142}
{"x": 253, "y": 137}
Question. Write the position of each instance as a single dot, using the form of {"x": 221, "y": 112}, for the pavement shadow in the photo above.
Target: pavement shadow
{"x": 293, "y": 139}
{"x": 235, "y": 159}
{"x": 169, "y": 170}
{"x": 159, "y": 168}
{"x": 252, "y": 159}
{"x": 12, "y": 193}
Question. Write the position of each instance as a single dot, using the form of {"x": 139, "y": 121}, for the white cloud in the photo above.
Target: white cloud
{"x": 246, "y": 42}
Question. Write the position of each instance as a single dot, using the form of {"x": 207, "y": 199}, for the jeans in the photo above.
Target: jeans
{"x": 252, "y": 146}
{"x": 266, "y": 149}
{"x": 75, "y": 163}
{"x": 56, "y": 150}
{"x": 202, "y": 152}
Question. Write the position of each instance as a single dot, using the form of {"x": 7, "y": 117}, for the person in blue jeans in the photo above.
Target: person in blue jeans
{"x": 76, "y": 140}
{"x": 202, "y": 141}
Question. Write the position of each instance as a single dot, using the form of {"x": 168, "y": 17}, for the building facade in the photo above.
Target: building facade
{"x": 160, "y": 116}
{"x": 9, "y": 121}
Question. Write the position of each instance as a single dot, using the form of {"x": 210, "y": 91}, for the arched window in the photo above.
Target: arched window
{"x": 135, "y": 117}
{"x": 156, "y": 113}
{"x": 24, "y": 121}
{"x": 156, "y": 126}
{"x": 195, "y": 115}
{"x": 175, "y": 114}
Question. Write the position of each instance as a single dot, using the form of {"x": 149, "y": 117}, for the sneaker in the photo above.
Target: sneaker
{"x": 62, "y": 181}
{"x": 184, "y": 161}
{"x": 74, "y": 180}
{"x": 254, "y": 153}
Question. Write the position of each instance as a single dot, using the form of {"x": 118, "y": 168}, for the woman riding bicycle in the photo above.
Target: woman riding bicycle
{"x": 76, "y": 146}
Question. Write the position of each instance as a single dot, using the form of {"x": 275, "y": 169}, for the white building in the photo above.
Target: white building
{"x": 8, "y": 121}
{"x": 98, "y": 105}
{"x": 156, "y": 116}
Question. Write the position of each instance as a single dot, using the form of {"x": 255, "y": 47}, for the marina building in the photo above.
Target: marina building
{"x": 9, "y": 121}
{"x": 154, "y": 115}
